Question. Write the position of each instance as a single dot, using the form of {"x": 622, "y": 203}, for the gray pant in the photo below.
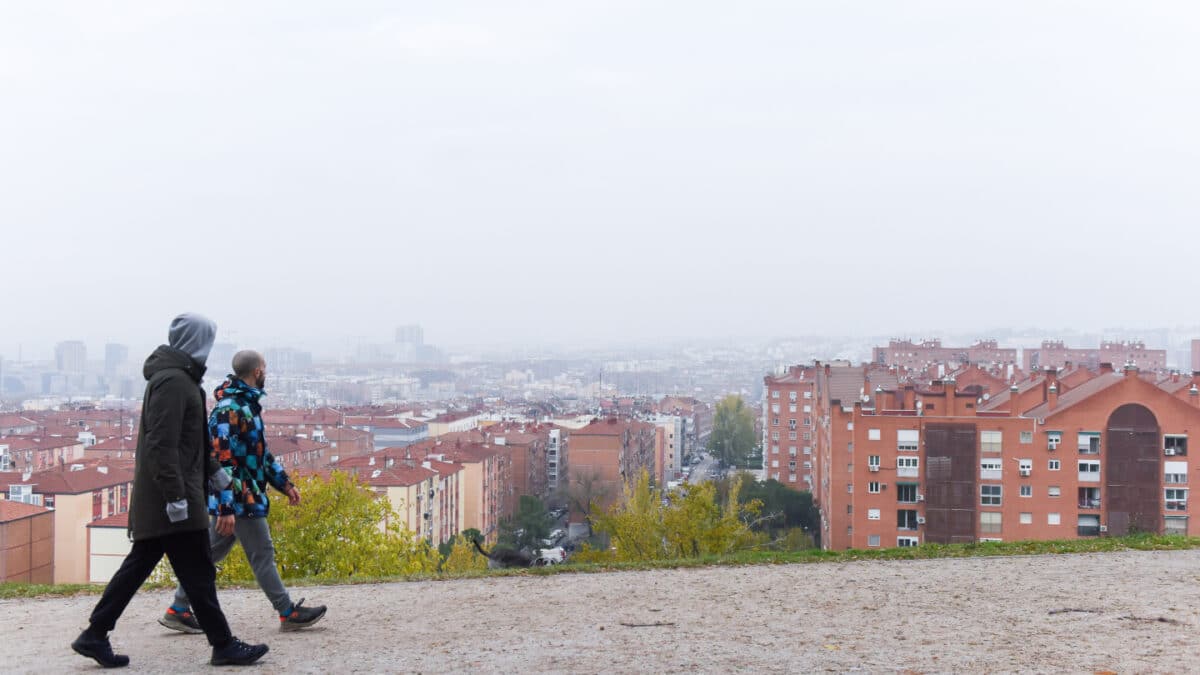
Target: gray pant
{"x": 255, "y": 535}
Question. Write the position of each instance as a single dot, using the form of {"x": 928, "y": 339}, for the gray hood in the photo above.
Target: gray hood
{"x": 193, "y": 334}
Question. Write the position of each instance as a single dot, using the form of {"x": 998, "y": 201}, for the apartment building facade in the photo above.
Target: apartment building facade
{"x": 933, "y": 464}
{"x": 787, "y": 427}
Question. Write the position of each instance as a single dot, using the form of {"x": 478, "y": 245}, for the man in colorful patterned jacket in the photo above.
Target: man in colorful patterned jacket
{"x": 236, "y": 428}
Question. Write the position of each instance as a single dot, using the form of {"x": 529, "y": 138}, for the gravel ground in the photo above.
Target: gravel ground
{"x": 1127, "y": 612}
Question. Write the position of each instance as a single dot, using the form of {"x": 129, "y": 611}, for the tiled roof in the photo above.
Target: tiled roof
{"x": 1076, "y": 395}
{"x": 65, "y": 481}
{"x": 396, "y": 476}
{"x": 10, "y": 510}
{"x": 119, "y": 520}
{"x": 845, "y": 384}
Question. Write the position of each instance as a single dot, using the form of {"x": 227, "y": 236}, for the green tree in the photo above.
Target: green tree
{"x": 783, "y": 509}
{"x": 528, "y": 527}
{"x": 733, "y": 438}
{"x": 649, "y": 524}
{"x": 341, "y": 529}
{"x": 462, "y": 557}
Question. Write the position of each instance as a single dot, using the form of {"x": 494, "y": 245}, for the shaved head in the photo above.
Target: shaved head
{"x": 246, "y": 362}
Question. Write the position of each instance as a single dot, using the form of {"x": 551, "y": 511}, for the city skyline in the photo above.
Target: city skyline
{"x": 511, "y": 175}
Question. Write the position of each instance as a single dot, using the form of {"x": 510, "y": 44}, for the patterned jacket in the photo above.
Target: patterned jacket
{"x": 236, "y": 428}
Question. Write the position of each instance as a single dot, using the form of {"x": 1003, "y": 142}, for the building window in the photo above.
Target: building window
{"x": 905, "y": 542}
{"x": 989, "y": 441}
{"x": 1026, "y": 437}
{"x": 1175, "y": 525}
{"x": 872, "y": 514}
{"x": 873, "y": 434}
{"x": 991, "y": 469}
{"x": 1053, "y": 439}
{"x": 906, "y": 493}
{"x": 1026, "y": 490}
{"x": 1176, "y": 499}
{"x": 989, "y": 522}
{"x": 1175, "y": 444}
{"x": 1054, "y": 491}
{"x": 873, "y": 487}
{"x": 1089, "y": 442}
{"x": 908, "y": 440}
{"x": 1054, "y": 465}
{"x": 989, "y": 495}
{"x": 907, "y": 467}
{"x": 1054, "y": 519}
{"x": 1089, "y": 498}
{"x": 906, "y": 519}
{"x": 1089, "y": 470}
{"x": 1026, "y": 518}
{"x": 872, "y": 540}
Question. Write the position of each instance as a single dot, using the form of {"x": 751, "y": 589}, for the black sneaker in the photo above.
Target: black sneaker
{"x": 301, "y": 617}
{"x": 100, "y": 649}
{"x": 184, "y": 622}
{"x": 237, "y": 653}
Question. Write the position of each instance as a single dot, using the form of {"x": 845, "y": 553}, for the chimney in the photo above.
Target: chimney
{"x": 950, "y": 387}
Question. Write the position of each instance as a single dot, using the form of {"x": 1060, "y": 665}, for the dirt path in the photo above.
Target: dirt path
{"x": 992, "y": 614}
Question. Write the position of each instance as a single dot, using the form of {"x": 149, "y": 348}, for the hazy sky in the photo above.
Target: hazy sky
{"x": 561, "y": 171}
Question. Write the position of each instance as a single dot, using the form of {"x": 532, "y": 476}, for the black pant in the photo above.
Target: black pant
{"x": 191, "y": 559}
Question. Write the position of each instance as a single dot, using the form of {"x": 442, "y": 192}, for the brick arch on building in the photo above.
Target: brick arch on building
{"x": 1133, "y": 458}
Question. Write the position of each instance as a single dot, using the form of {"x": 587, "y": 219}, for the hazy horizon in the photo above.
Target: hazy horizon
{"x": 570, "y": 174}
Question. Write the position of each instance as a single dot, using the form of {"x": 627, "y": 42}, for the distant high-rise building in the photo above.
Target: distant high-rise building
{"x": 412, "y": 334}
{"x": 410, "y": 343}
{"x": 115, "y": 356}
{"x": 71, "y": 356}
{"x": 220, "y": 359}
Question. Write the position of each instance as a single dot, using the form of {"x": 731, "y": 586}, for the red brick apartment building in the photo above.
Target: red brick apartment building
{"x": 915, "y": 463}
{"x": 787, "y": 424}
{"x": 916, "y": 355}
{"x": 1056, "y": 354}
{"x": 605, "y": 454}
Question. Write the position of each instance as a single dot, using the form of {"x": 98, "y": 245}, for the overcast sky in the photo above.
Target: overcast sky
{"x": 568, "y": 171}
